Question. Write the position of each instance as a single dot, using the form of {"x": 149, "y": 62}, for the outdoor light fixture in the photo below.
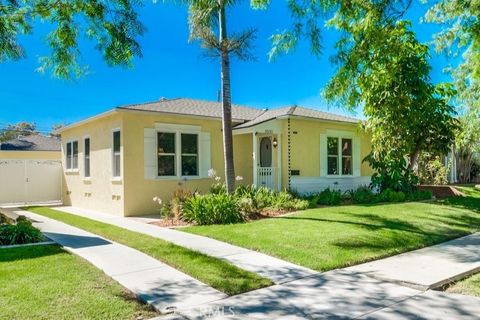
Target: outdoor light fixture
{"x": 275, "y": 142}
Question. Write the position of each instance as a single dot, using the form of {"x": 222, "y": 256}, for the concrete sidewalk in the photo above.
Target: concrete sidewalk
{"x": 430, "y": 267}
{"x": 279, "y": 271}
{"x": 338, "y": 294}
{"x": 151, "y": 280}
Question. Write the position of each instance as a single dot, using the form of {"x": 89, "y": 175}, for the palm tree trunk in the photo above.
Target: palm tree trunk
{"x": 226, "y": 102}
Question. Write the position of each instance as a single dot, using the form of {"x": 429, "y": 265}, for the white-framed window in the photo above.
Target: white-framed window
{"x": 86, "y": 157}
{"x": 189, "y": 157}
{"x": 116, "y": 154}
{"x": 71, "y": 155}
{"x": 339, "y": 156}
{"x": 177, "y": 154}
{"x": 166, "y": 145}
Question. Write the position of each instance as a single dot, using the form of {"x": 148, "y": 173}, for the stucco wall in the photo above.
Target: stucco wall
{"x": 22, "y": 155}
{"x": 305, "y": 145}
{"x": 99, "y": 192}
{"x": 139, "y": 191}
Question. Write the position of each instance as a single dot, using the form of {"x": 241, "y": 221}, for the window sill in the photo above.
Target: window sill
{"x": 116, "y": 179}
{"x": 72, "y": 171}
{"x": 176, "y": 178}
{"x": 87, "y": 179}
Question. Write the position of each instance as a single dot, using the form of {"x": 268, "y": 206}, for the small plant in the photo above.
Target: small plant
{"x": 329, "y": 197}
{"x": 173, "y": 209}
{"x": 363, "y": 194}
{"x": 419, "y": 195}
{"x": 389, "y": 195}
{"x": 21, "y": 233}
{"x": 212, "y": 209}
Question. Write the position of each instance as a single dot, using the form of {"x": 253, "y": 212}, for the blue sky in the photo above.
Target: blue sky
{"x": 171, "y": 67}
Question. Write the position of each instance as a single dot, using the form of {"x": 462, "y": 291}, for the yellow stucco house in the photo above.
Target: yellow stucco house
{"x": 117, "y": 161}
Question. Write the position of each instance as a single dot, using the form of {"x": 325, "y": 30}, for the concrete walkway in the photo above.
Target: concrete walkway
{"x": 151, "y": 280}
{"x": 277, "y": 270}
{"x": 430, "y": 267}
{"x": 338, "y": 294}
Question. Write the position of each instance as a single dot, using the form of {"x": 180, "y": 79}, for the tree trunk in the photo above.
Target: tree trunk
{"x": 413, "y": 159}
{"x": 226, "y": 102}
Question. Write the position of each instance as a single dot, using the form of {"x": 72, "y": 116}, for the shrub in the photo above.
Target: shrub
{"x": 419, "y": 195}
{"x": 389, "y": 195}
{"x": 212, "y": 209}
{"x": 329, "y": 197}
{"x": 174, "y": 208}
{"x": 254, "y": 200}
{"x": 363, "y": 194}
{"x": 431, "y": 170}
{"x": 21, "y": 233}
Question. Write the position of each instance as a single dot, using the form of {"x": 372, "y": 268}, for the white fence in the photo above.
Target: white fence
{"x": 30, "y": 182}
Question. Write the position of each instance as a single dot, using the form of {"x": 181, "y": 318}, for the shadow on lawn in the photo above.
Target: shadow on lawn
{"x": 376, "y": 223}
{"x": 33, "y": 252}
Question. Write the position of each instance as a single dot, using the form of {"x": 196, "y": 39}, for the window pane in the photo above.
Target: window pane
{"x": 75, "y": 154}
{"x": 69, "y": 156}
{"x": 332, "y": 146}
{"x": 189, "y": 143}
{"x": 166, "y": 165}
{"x": 87, "y": 147}
{"x": 333, "y": 165}
{"x": 87, "y": 166}
{"x": 116, "y": 141}
{"x": 189, "y": 166}
{"x": 347, "y": 165}
{"x": 346, "y": 147}
{"x": 116, "y": 165}
{"x": 166, "y": 142}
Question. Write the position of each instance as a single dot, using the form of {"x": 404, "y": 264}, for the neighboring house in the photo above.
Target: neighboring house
{"x": 31, "y": 147}
{"x": 30, "y": 170}
{"x": 117, "y": 161}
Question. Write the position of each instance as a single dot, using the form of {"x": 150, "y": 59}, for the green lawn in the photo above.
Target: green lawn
{"x": 334, "y": 237}
{"x": 45, "y": 282}
{"x": 217, "y": 273}
{"x": 469, "y": 286}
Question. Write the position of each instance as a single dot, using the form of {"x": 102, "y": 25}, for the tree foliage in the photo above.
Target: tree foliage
{"x": 460, "y": 35}
{"x": 112, "y": 24}
{"x": 13, "y": 131}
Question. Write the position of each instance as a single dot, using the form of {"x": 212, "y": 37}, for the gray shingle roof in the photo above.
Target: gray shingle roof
{"x": 196, "y": 108}
{"x": 296, "y": 111}
{"x": 31, "y": 143}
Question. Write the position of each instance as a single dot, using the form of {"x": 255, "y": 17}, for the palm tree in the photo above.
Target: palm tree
{"x": 208, "y": 24}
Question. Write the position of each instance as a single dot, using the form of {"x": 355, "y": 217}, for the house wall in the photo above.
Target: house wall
{"x": 305, "y": 155}
{"x": 139, "y": 190}
{"x": 34, "y": 155}
{"x": 99, "y": 192}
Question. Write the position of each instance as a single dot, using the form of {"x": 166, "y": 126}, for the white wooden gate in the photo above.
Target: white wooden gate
{"x": 30, "y": 182}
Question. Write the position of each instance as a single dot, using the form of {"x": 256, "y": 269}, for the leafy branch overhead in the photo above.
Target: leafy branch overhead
{"x": 112, "y": 24}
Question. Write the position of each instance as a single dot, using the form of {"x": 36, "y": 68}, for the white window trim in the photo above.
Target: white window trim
{"x": 84, "y": 158}
{"x": 341, "y": 135}
{"x": 178, "y": 130}
{"x": 71, "y": 169}
{"x": 119, "y": 177}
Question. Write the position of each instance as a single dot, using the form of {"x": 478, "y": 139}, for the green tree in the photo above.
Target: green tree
{"x": 112, "y": 24}
{"x": 384, "y": 68}
{"x": 13, "y": 131}
{"x": 467, "y": 144}
{"x": 460, "y": 37}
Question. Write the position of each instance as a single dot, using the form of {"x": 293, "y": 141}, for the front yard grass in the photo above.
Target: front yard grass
{"x": 469, "y": 286}
{"x": 334, "y": 237}
{"x": 45, "y": 282}
{"x": 217, "y": 273}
